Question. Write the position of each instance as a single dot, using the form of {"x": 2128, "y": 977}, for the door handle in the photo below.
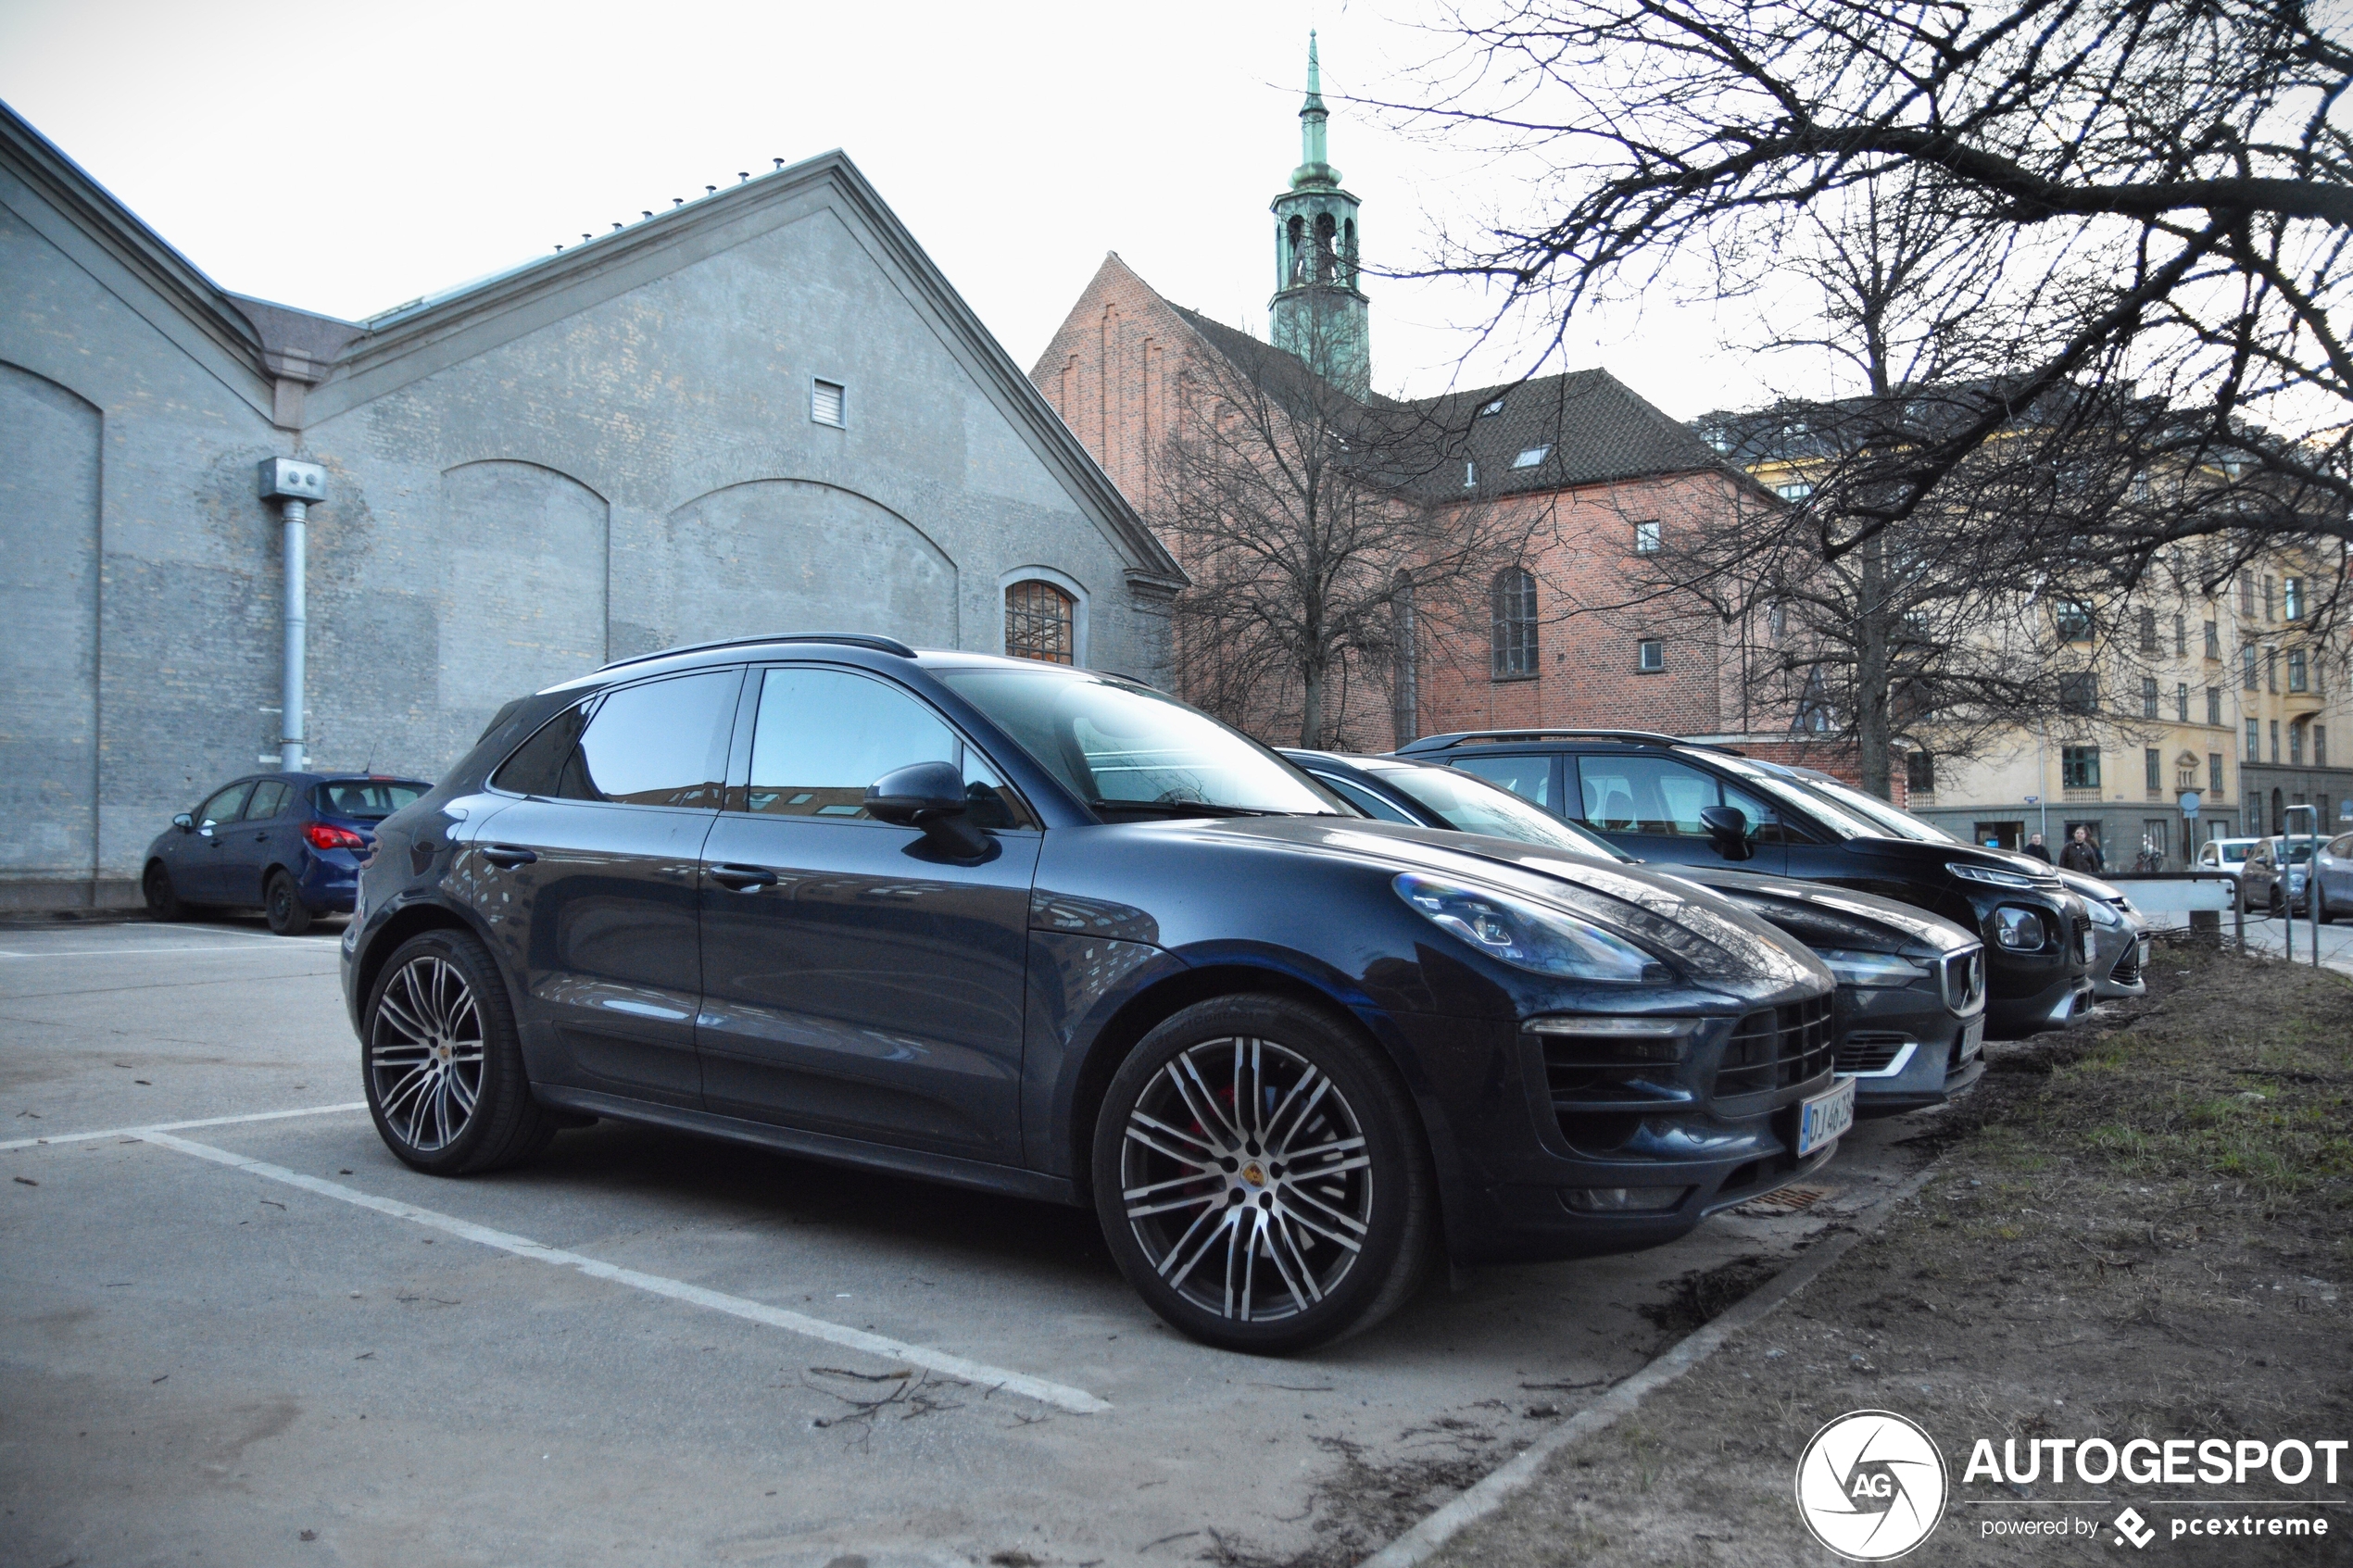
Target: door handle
{"x": 261, "y": 839}
{"x": 508, "y": 856}
{"x": 742, "y": 879}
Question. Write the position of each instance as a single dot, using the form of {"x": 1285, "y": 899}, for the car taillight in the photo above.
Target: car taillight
{"x": 325, "y": 835}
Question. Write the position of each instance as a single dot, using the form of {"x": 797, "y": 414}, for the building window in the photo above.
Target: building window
{"x": 2292, "y": 595}
{"x": 2319, "y": 745}
{"x": 2213, "y": 705}
{"x": 1514, "y": 623}
{"x": 2181, "y": 638}
{"x": 1040, "y": 623}
{"x": 2271, "y": 598}
{"x": 2074, "y": 620}
{"x": 2213, "y": 639}
{"x": 2149, "y": 631}
{"x": 1795, "y": 492}
{"x": 1530, "y": 457}
{"x": 2246, "y": 595}
{"x": 2148, "y": 696}
{"x": 1646, "y": 540}
{"x": 2297, "y": 680}
{"x": 1920, "y": 771}
{"x": 1650, "y": 656}
{"x": 2214, "y": 773}
{"x": 2254, "y": 741}
{"x": 2180, "y": 702}
{"x": 829, "y": 403}
{"x": 2247, "y": 666}
{"x": 2154, "y": 836}
{"x": 2272, "y": 668}
{"x": 2080, "y": 693}
{"x": 2153, "y": 763}
{"x": 2295, "y": 745}
{"x": 1776, "y": 621}
{"x": 2079, "y": 767}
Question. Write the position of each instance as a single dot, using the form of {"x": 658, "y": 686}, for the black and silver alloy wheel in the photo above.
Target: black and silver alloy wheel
{"x": 1260, "y": 1177}
{"x": 1245, "y": 1180}
{"x": 443, "y": 1063}
{"x": 425, "y": 1053}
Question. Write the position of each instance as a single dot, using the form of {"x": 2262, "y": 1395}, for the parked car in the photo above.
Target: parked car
{"x": 289, "y": 844}
{"x": 2337, "y": 877}
{"x": 2120, "y": 934}
{"x": 2271, "y": 877}
{"x": 1646, "y": 794}
{"x": 1048, "y": 933}
{"x": 2224, "y": 855}
{"x": 1911, "y": 988}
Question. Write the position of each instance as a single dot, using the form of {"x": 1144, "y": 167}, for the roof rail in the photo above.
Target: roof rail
{"x": 844, "y": 639}
{"x": 1464, "y": 737}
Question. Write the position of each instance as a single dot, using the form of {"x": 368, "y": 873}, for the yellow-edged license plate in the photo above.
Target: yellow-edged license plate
{"x": 1823, "y": 1118}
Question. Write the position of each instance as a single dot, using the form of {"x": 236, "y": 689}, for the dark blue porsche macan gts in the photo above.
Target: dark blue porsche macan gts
{"x": 1048, "y": 932}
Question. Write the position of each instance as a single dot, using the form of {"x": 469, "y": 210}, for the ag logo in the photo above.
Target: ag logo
{"x": 1871, "y": 1485}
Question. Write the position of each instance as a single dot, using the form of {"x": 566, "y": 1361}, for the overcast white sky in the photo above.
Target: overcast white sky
{"x": 348, "y": 158}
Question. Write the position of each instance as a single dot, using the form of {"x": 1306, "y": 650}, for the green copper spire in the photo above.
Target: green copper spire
{"x": 1312, "y": 167}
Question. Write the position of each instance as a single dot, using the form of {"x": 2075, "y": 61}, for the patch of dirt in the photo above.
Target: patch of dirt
{"x": 1701, "y": 1296}
{"x": 1359, "y": 1506}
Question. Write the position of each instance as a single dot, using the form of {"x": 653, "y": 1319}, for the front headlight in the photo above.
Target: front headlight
{"x": 2103, "y": 912}
{"x": 1989, "y": 875}
{"x": 2019, "y": 929}
{"x": 1852, "y": 968}
{"x": 1527, "y": 936}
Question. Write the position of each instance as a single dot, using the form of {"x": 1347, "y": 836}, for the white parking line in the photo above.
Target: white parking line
{"x": 1057, "y": 1395}
{"x": 140, "y": 1131}
{"x": 287, "y": 948}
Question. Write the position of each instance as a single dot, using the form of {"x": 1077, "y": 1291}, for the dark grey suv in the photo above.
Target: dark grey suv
{"x": 1052, "y": 933}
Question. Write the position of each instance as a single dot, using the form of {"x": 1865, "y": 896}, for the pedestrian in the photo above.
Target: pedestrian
{"x": 2081, "y": 853}
{"x": 2034, "y": 847}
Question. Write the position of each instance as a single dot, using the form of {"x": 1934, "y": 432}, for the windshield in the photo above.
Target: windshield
{"x": 1469, "y": 804}
{"x": 1126, "y": 749}
{"x": 369, "y": 800}
{"x": 1831, "y": 814}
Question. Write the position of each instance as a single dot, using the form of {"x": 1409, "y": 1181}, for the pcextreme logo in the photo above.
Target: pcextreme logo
{"x": 1871, "y": 1486}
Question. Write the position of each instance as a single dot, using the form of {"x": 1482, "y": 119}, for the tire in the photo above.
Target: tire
{"x": 442, "y": 1061}
{"x": 163, "y": 900}
{"x": 1172, "y": 1162}
{"x": 281, "y": 904}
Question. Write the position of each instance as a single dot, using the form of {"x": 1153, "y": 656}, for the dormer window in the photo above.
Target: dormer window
{"x": 1494, "y": 408}
{"x": 1530, "y": 457}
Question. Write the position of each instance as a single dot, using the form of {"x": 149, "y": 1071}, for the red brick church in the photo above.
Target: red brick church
{"x": 1597, "y": 475}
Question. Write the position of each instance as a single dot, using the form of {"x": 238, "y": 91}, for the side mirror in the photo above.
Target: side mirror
{"x": 929, "y": 796}
{"x": 184, "y": 823}
{"x": 1728, "y": 830}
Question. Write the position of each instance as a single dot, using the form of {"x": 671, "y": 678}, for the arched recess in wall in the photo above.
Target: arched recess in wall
{"x": 524, "y": 585}
{"x": 1011, "y": 607}
{"x": 789, "y": 555}
{"x": 49, "y": 447}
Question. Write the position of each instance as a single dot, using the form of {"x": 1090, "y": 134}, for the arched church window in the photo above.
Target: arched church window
{"x": 1296, "y": 253}
{"x": 1038, "y": 619}
{"x": 1326, "y": 243}
{"x": 1515, "y": 623}
{"x": 1347, "y": 255}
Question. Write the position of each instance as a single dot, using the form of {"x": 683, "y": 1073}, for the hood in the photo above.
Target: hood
{"x": 1823, "y": 916}
{"x": 1709, "y": 935}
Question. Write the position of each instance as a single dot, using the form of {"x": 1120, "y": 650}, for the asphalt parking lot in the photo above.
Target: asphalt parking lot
{"x": 261, "y": 1340}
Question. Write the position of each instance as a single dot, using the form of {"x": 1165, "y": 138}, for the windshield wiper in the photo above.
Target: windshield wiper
{"x": 1197, "y": 808}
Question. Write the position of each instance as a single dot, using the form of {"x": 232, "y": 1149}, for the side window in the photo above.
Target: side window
{"x": 537, "y": 766}
{"x": 1764, "y": 822}
{"x": 1649, "y": 794}
{"x": 268, "y": 801}
{"x": 661, "y": 744}
{"x": 224, "y": 807}
{"x": 1531, "y": 778}
{"x": 822, "y": 736}
{"x": 1365, "y": 800}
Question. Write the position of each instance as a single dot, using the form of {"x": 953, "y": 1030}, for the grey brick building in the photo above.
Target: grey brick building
{"x": 763, "y": 411}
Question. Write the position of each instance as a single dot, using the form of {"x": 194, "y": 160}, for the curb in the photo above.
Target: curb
{"x": 1498, "y": 1485}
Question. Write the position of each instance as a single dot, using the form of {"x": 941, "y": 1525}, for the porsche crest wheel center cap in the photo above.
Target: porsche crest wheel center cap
{"x": 1254, "y": 1175}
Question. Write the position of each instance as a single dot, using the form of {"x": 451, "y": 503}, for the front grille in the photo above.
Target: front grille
{"x": 1776, "y": 1048}
{"x": 2128, "y": 968}
{"x": 1870, "y": 1052}
{"x": 1964, "y": 981}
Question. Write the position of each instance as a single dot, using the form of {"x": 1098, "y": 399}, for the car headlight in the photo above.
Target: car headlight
{"x": 2018, "y": 928}
{"x": 1852, "y": 968}
{"x": 1989, "y": 875}
{"x": 1527, "y": 936}
{"x": 2103, "y": 912}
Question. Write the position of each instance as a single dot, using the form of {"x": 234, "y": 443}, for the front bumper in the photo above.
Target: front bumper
{"x": 2118, "y": 957}
{"x": 1527, "y": 1136}
{"x": 1907, "y": 1052}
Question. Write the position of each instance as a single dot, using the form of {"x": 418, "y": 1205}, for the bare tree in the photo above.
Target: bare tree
{"x": 2157, "y": 196}
{"x": 1313, "y": 565}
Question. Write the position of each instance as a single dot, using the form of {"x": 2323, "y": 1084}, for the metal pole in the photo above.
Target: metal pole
{"x": 290, "y": 744}
{"x": 2312, "y": 871}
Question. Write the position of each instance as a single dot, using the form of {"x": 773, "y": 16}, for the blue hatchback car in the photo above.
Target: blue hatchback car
{"x": 290, "y": 843}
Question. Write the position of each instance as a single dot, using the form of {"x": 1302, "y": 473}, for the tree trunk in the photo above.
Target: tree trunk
{"x": 1311, "y": 708}
{"x": 1873, "y": 631}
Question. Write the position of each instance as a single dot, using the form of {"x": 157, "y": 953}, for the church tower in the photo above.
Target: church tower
{"x": 1318, "y": 312}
